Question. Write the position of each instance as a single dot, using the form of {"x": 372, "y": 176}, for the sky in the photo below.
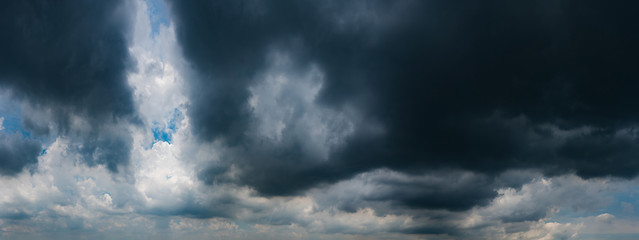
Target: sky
{"x": 299, "y": 119}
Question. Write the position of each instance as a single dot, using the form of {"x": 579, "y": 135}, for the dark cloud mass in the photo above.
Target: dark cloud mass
{"x": 484, "y": 86}
{"x": 66, "y": 59}
{"x": 16, "y": 153}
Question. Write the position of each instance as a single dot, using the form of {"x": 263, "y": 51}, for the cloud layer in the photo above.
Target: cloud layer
{"x": 318, "y": 120}
{"x": 481, "y": 87}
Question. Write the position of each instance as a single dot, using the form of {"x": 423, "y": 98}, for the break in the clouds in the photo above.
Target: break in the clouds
{"x": 356, "y": 119}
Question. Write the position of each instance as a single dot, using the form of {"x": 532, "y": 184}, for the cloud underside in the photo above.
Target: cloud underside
{"x": 67, "y": 63}
{"x": 305, "y": 119}
{"x": 480, "y": 87}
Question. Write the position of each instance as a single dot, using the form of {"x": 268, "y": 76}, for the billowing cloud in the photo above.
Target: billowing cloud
{"x": 67, "y": 62}
{"x": 410, "y": 85}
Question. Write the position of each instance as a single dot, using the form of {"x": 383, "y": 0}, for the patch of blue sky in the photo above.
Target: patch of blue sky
{"x": 11, "y": 115}
{"x": 11, "y": 123}
{"x": 158, "y": 15}
{"x": 176, "y": 117}
{"x": 608, "y": 236}
{"x": 165, "y": 133}
{"x": 614, "y": 207}
{"x": 569, "y": 213}
{"x": 623, "y": 205}
{"x": 160, "y": 134}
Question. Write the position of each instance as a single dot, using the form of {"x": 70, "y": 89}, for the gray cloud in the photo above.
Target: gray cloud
{"x": 67, "y": 60}
{"x": 483, "y": 87}
{"x": 17, "y": 152}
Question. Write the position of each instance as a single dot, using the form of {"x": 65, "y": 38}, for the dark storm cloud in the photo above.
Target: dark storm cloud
{"x": 68, "y": 58}
{"x": 105, "y": 149}
{"x": 483, "y": 86}
{"x": 451, "y": 191}
{"x": 16, "y": 153}
{"x": 389, "y": 192}
{"x": 15, "y": 215}
{"x": 222, "y": 205}
{"x": 602, "y": 152}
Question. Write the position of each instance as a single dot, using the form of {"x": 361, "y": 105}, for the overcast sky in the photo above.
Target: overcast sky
{"x": 336, "y": 119}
